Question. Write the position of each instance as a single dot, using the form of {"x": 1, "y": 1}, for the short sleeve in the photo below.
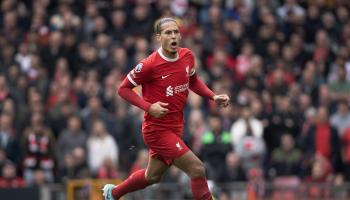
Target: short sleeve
{"x": 140, "y": 74}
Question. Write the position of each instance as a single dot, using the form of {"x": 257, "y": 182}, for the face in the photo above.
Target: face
{"x": 322, "y": 114}
{"x": 169, "y": 37}
{"x": 98, "y": 128}
{"x": 74, "y": 124}
{"x": 215, "y": 123}
{"x": 287, "y": 142}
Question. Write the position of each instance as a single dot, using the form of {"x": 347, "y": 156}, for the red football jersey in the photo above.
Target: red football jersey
{"x": 166, "y": 80}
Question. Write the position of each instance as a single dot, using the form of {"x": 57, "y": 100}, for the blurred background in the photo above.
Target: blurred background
{"x": 285, "y": 63}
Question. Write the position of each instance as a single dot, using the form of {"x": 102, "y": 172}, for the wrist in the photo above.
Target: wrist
{"x": 147, "y": 106}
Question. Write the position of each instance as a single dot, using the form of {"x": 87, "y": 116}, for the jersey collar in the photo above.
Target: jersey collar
{"x": 166, "y": 58}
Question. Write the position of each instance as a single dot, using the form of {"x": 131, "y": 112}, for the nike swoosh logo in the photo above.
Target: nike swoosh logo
{"x": 163, "y": 77}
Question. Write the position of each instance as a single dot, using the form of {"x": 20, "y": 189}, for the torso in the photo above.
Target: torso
{"x": 167, "y": 81}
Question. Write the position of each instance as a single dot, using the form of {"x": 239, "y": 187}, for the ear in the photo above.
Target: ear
{"x": 158, "y": 37}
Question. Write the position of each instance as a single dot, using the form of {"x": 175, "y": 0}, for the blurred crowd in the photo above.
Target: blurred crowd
{"x": 284, "y": 63}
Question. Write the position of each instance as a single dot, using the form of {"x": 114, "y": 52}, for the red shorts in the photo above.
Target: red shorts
{"x": 165, "y": 145}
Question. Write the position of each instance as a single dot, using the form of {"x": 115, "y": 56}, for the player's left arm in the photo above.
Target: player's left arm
{"x": 200, "y": 88}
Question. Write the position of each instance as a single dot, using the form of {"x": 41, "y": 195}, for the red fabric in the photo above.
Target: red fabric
{"x": 200, "y": 190}
{"x": 320, "y": 54}
{"x": 322, "y": 138}
{"x": 135, "y": 167}
{"x": 188, "y": 29}
{"x": 229, "y": 62}
{"x": 12, "y": 183}
{"x": 346, "y": 145}
{"x": 125, "y": 91}
{"x": 314, "y": 191}
{"x": 165, "y": 145}
{"x": 136, "y": 181}
{"x": 288, "y": 79}
{"x": 166, "y": 81}
{"x": 200, "y": 88}
{"x": 54, "y": 99}
{"x": 4, "y": 94}
{"x": 106, "y": 172}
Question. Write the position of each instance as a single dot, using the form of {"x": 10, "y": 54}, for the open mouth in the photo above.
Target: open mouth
{"x": 173, "y": 44}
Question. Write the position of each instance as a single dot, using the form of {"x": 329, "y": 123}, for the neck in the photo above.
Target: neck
{"x": 169, "y": 54}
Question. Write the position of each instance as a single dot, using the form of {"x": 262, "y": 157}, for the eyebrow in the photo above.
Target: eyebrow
{"x": 171, "y": 30}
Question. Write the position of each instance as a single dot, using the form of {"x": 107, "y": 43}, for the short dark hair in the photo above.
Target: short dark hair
{"x": 159, "y": 22}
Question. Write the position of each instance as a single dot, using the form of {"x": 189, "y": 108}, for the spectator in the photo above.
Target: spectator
{"x": 247, "y": 139}
{"x": 94, "y": 111}
{"x": 4, "y": 90}
{"x": 108, "y": 170}
{"x": 52, "y": 52}
{"x": 341, "y": 119}
{"x": 323, "y": 139}
{"x": 320, "y": 173}
{"x": 286, "y": 160}
{"x": 8, "y": 140}
{"x": 100, "y": 146}
{"x": 71, "y": 138}
{"x": 284, "y": 118}
{"x": 74, "y": 165}
{"x": 345, "y": 148}
{"x": 233, "y": 170}
{"x": 38, "y": 150}
{"x": 23, "y": 57}
{"x": 341, "y": 87}
{"x": 9, "y": 177}
{"x": 3, "y": 158}
{"x": 290, "y": 7}
{"x": 118, "y": 18}
{"x": 216, "y": 143}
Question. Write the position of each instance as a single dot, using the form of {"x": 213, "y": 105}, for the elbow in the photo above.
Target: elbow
{"x": 120, "y": 91}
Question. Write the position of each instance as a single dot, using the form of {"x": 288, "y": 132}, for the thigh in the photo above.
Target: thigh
{"x": 187, "y": 162}
{"x": 155, "y": 168}
{"x": 166, "y": 146}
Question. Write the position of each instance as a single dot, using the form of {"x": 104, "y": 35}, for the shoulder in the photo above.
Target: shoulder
{"x": 185, "y": 52}
{"x": 145, "y": 64}
{"x": 148, "y": 61}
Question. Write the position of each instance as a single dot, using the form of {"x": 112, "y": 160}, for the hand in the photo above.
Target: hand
{"x": 222, "y": 100}
{"x": 157, "y": 109}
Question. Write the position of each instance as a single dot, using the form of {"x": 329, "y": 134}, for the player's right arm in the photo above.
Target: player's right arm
{"x": 140, "y": 75}
{"x": 126, "y": 92}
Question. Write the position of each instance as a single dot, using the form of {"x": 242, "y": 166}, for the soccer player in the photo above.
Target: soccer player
{"x": 165, "y": 76}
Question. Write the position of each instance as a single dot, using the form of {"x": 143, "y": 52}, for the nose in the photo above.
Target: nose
{"x": 173, "y": 35}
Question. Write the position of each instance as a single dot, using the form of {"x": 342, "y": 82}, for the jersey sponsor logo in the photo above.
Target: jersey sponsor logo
{"x": 179, "y": 88}
{"x": 178, "y": 146}
{"x": 138, "y": 67}
{"x": 163, "y": 77}
{"x": 169, "y": 91}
